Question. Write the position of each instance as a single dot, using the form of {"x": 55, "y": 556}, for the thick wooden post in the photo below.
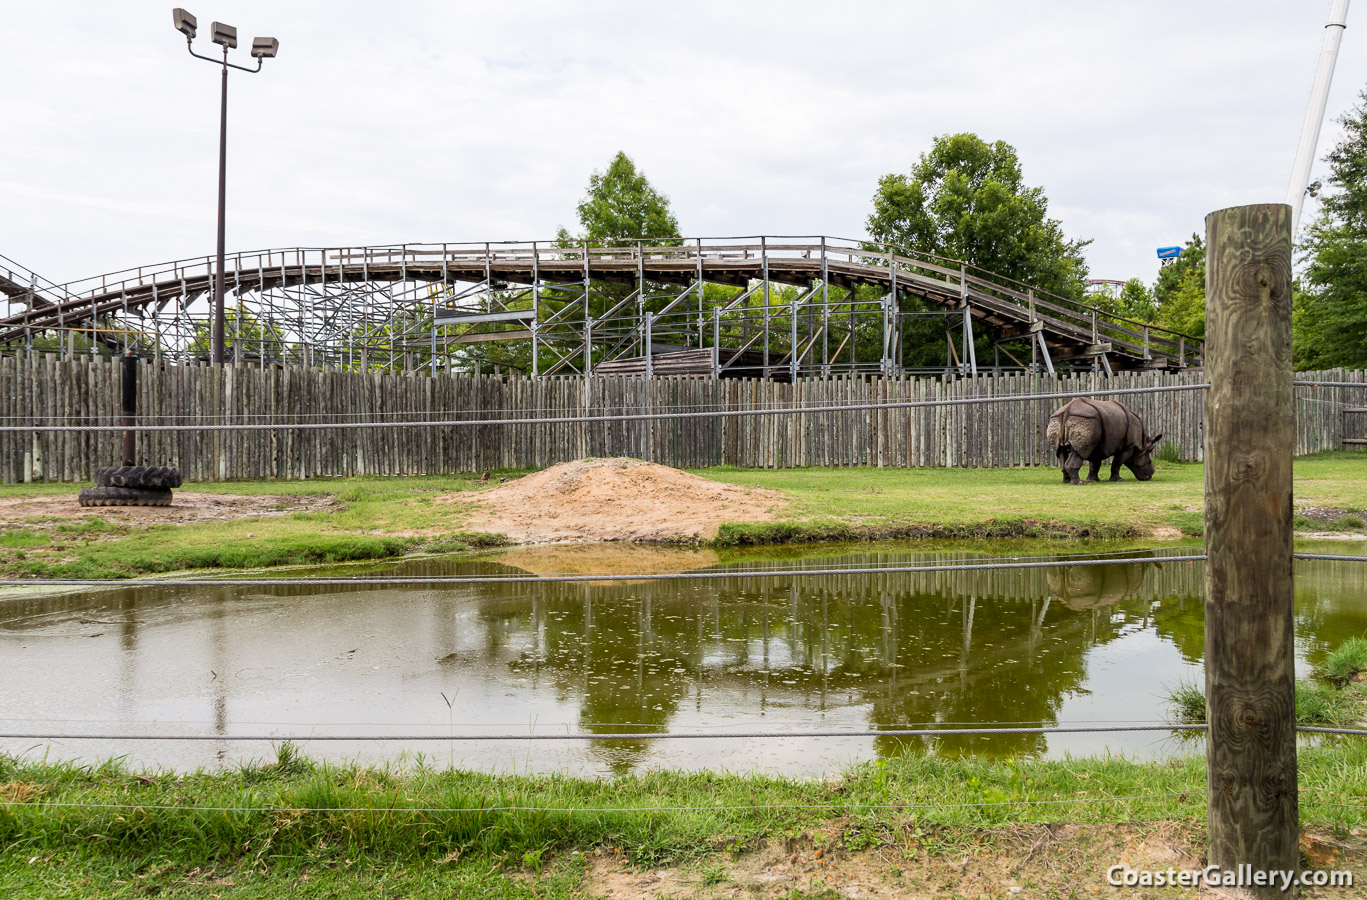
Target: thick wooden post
{"x": 130, "y": 408}
{"x": 1250, "y": 437}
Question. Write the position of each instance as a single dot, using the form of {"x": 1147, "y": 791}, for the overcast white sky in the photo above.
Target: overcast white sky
{"x": 461, "y": 121}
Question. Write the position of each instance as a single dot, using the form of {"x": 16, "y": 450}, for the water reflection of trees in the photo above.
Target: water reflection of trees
{"x": 957, "y": 647}
{"x": 994, "y": 647}
{"x": 1330, "y": 607}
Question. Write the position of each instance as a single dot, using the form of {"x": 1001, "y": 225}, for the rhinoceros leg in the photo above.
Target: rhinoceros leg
{"x": 1094, "y": 470}
{"x": 1115, "y": 470}
{"x": 1070, "y": 467}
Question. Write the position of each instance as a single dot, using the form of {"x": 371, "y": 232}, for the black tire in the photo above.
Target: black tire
{"x": 122, "y": 496}
{"x": 156, "y": 478}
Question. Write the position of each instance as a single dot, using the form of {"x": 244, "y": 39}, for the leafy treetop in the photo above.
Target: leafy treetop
{"x": 622, "y": 204}
{"x": 1331, "y": 314}
{"x": 967, "y": 199}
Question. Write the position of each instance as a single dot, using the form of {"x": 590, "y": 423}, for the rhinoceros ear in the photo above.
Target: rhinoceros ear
{"x": 1153, "y": 441}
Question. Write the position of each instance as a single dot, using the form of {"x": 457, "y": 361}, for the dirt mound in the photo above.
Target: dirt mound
{"x": 616, "y": 500}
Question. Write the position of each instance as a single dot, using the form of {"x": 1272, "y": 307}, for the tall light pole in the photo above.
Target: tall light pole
{"x": 262, "y": 49}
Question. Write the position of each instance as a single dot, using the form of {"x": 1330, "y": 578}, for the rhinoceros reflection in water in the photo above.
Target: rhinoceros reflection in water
{"x": 1093, "y": 587}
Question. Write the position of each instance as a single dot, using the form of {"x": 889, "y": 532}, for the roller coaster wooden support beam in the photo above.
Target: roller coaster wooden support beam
{"x": 1252, "y": 809}
{"x": 365, "y": 305}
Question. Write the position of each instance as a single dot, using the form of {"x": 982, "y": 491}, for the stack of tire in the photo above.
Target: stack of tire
{"x": 131, "y": 486}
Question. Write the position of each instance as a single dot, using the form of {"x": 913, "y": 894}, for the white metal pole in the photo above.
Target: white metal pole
{"x": 1314, "y": 113}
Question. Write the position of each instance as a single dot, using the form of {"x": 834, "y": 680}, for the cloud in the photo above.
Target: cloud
{"x": 429, "y": 121}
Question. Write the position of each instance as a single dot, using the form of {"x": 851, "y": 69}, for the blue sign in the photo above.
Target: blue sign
{"x": 1169, "y": 252}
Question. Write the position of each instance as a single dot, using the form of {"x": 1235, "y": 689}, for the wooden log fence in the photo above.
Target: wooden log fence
{"x": 51, "y": 391}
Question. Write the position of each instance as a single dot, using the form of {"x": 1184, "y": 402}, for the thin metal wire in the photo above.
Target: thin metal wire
{"x": 657, "y": 410}
{"x": 1329, "y": 557}
{"x": 1348, "y": 384}
{"x": 798, "y": 567}
{"x": 706, "y": 574}
{"x": 656, "y": 735}
{"x": 607, "y": 810}
{"x": 625, "y": 417}
{"x": 776, "y": 405}
{"x": 574, "y": 810}
{"x": 539, "y": 725}
{"x": 615, "y": 736}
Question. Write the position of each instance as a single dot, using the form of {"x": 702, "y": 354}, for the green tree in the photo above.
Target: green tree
{"x": 1133, "y": 301}
{"x": 1170, "y": 276}
{"x": 621, "y": 204}
{"x": 1136, "y": 301}
{"x": 967, "y": 199}
{"x": 1183, "y": 308}
{"x": 1178, "y": 299}
{"x": 238, "y": 325}
{"x": 1331, "y": 314}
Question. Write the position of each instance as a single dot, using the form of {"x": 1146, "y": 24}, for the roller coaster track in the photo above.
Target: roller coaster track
{"x": 1058, "y": 328}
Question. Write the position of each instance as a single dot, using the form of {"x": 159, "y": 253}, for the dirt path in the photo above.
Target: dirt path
{"x": 616, "y": 500}
{"x": 1026, "y": 861}
{"x": 186, "y": 507}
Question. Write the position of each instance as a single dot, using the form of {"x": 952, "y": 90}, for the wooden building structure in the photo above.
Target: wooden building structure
{"x": 630, "y": 308}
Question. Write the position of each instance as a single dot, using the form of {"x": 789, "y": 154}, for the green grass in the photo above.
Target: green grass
{"x": 1322, "y": 704}
{"x": 1187, "y": 701}
{"x": 869, "y": 503}
{"x": 1168, "y": 453}
{"x": 373, "y": 519}
{"x": 382, "y": 518}
{"x": 1348, "y": 660}
{"x": 261, "y": 826}
{"x": 22, "y": 540}
{"x": 1316, "y": 704}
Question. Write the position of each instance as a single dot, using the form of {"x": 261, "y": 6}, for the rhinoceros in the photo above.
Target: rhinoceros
{"x": 1085, "y": 430}
{"x": 1096, "y": 587}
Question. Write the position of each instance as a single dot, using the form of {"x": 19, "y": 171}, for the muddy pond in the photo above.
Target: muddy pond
{"x": 1051, "y": 646}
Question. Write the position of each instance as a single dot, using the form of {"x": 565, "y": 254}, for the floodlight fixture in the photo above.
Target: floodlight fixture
{"x": 224, "y": 35}
{"x": 263, "y": 48}
{"x": 184, "y": 22}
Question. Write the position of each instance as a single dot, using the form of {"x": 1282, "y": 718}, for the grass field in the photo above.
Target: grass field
{"x": 1031, "y": 502}
{"x": 922, "y": 824}
{"x": 913, "y": 825}
{"x": 381, "y": 518}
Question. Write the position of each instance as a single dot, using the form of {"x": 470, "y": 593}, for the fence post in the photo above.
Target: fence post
{"x": 1252, "y": 813}
{"x": 130, "y": 408}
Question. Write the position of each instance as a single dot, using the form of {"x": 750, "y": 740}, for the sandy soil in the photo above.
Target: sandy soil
{"x": 1025, "y": 861}
{"x": 615, "y": 500}
{"x": 186, "y": 507}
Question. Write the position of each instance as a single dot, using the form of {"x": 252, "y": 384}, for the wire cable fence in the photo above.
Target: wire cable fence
{"x": 455, "y": 418}
{"x": 640, "y": 416}
{"x": 697, "y": 575}
{"x": 652, "y": 412}
{"x": 940, "y": 731}
{"x": 599, "y": 810}
{"x": 1195, "y": 794}
{"x": 615, "y": 736}
{"x": 652, "y": 735}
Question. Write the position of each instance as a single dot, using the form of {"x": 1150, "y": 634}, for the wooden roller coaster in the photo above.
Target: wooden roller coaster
{"x": 774, "y": 307}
